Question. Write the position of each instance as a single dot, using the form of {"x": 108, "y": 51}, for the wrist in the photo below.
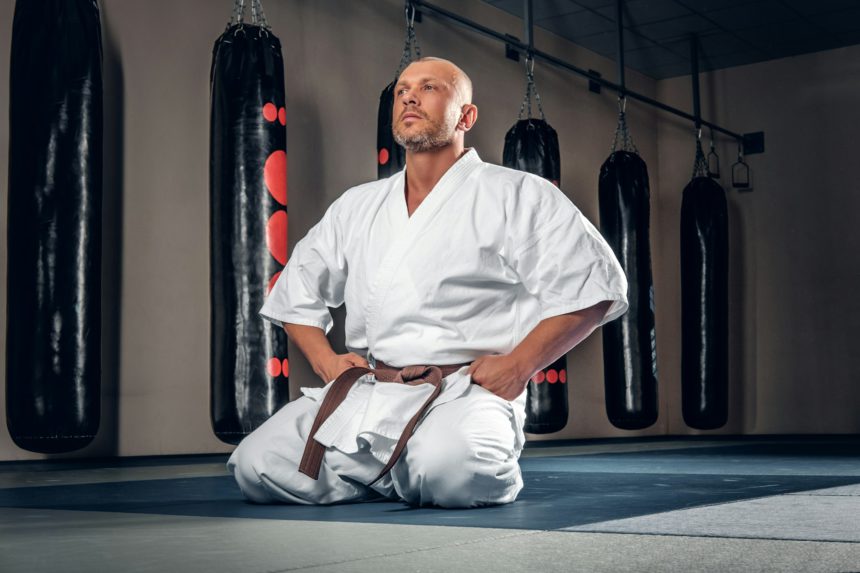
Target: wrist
{"x": 320, "y": 363}
{"x": 524, "y": 366}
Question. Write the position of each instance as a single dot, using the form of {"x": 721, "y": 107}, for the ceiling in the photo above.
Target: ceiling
{"x": 731, "y": 32}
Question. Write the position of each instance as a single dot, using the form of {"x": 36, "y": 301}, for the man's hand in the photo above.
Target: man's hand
{"x": 503, "y": 375}
{"x": 337, "y": 364}
{"x": 316, "y": 348}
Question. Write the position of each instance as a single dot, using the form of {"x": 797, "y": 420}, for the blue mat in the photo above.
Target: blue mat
{"x": 559, "y": 492}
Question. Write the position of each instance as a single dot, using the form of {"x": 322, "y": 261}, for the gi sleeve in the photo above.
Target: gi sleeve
{"x": 313, "y": 279}
{"x": 560, "y": 257}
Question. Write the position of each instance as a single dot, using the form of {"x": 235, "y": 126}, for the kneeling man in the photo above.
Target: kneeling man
{"x": 474, "y": 276}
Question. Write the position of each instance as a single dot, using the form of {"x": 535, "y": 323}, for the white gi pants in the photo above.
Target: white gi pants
{"x": 463, "y": 453}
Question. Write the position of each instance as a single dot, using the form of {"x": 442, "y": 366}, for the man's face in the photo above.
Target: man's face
{"x": 427, "y": 106}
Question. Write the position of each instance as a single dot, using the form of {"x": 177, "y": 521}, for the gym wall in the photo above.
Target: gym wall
{"x": 794, "y": 264}
{"x": 790, "y": 368}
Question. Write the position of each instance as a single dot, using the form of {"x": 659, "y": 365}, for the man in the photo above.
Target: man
{"x": 451, "y": 261}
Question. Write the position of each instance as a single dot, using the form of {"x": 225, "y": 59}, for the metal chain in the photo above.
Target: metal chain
{"x": 411, "y": 49}
{"x": 531, "y": 88}
{"x": 238, "y": 12}
{"x": 622, "y": 132}
{"x": 258, "y": 16}
{"x": 700, "y": 165}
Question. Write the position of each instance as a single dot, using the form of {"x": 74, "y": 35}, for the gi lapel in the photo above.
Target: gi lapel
{"x": 410, "y": 228}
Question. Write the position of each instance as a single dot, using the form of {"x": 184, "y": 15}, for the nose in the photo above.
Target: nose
{"x": 409, "y": 97}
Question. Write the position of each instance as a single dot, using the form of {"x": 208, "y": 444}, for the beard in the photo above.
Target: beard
{"x": 435, "y": 134}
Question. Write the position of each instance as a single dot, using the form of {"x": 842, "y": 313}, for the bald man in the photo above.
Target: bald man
{"x": 477, "y": 275}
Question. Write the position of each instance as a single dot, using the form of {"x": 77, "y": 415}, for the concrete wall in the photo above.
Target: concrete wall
{"x": 790, "y": 348}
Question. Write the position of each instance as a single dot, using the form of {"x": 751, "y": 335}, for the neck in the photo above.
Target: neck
{"x": 425, "y": 168}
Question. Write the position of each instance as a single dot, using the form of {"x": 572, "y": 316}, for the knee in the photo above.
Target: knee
{"x": 247, "y": 466}
{"x": 458, "y": 473}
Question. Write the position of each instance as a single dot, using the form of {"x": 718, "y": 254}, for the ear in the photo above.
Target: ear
{"x": 468, "y": 117}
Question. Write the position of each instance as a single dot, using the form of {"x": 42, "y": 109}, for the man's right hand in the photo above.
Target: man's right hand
{"x": 337, "y": 364}
{"x": 315, "y": 346}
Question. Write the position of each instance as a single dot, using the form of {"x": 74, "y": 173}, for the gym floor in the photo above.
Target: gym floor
{"x": 690, "y": 504}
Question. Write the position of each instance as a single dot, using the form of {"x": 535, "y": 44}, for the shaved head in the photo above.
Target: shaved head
{"x": 460, "y": 79}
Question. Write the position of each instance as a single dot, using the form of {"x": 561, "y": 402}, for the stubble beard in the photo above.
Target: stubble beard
{"x": 435, "y": 135}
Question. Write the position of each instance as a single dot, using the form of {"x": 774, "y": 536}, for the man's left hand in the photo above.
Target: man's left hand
{"x": 501, "y": 374}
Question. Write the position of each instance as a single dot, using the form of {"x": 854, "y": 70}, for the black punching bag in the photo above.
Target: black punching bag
{"x": 704, "y": 303}
{"x": 53, "y": 323}
{"x": 629, "y": 343}
{"x": 532, "y": 145}
{"x": 248, "y": 215}
{"x": 390, "y": 156}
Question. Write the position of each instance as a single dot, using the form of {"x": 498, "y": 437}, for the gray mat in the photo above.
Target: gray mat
{"x": 808, "y": 516}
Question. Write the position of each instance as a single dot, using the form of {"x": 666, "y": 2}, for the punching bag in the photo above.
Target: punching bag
{"x": 532, "y": 145}
{"x": 391, "y": 157}
{"x": 53, "y": 324}
{"x": 248, "y": 215}
{"x": 704, "y": 301}
{"x": 629, "y": 343}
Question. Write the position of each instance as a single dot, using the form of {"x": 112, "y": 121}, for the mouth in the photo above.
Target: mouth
{"x": 410, "y": 115}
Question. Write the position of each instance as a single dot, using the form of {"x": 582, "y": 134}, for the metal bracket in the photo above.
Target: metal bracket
{"x": 511, "y": 51}
{"x": 753, "y": 143}
{"x": 593, "y": 86}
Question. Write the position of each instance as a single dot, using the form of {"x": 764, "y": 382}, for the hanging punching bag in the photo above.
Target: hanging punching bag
{"x": 248, "y": 215}
{"x": 391, "y": 157}
{"x": 532, "y": 145}
{"x": 629, "y": 343}
{"x": 704, "y": 301}
{"x": 53, "y": 323}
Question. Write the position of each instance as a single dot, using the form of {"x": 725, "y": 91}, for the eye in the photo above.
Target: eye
{"x": 429, "y": 87}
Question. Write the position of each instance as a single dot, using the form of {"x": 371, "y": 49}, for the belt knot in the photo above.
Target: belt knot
{"x": 410, "y": 375}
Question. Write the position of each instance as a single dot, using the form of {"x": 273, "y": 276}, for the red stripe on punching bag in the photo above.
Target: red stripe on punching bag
{"x": 276, "y": 236}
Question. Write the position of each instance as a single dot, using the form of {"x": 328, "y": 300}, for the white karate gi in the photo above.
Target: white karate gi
{"x": 488, "y": 254}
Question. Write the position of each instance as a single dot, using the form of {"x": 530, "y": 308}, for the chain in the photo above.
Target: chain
{"x": 622, "y": 132}
{"x": 411, "y": 49}
{"x": 700, "y": 165}
{"x": 258, "y": 16}
{"x": 531, "y": 88}
{"x": 238, "y": 12}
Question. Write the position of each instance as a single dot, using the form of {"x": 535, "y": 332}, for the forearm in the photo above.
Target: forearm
{"x": 555, "y": 336}
{"x": 313, "y": 344}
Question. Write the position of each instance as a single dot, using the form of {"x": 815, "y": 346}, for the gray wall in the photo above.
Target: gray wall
{"x": 794, "y": 248}
{"x": 338, "y": 56}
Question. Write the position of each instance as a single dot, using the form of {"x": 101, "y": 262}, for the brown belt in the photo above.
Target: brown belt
{"x": 411, "y": 375}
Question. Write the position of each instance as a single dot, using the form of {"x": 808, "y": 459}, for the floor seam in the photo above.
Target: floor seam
{"x": 692, "y": 507}
{"x": 409, "y": 551}
{"x": 803, "y": 494}
{"x": 667, "y": 534}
